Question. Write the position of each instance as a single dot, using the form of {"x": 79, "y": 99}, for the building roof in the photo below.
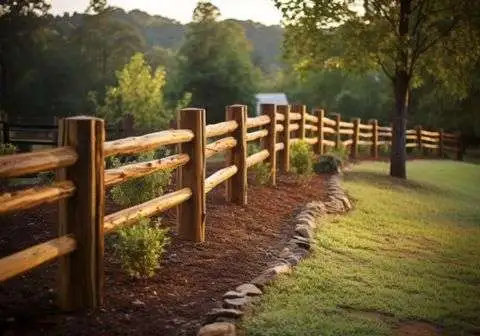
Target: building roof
{"x": 278, "y": 98}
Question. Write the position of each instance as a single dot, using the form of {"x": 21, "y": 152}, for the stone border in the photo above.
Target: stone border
{"x": 221, "y": 321}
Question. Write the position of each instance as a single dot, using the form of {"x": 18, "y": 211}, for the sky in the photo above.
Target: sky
{"x": 262, "y": 11}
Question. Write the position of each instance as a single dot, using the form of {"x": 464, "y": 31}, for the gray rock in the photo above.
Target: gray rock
{"x": 248, "y": 289}
{"x": 217, "y": 329}
{"x": 302, "y": 242}
{"x": 233, "y": 295}
{"x": 304, "y": 230}
{"x": 215, "y": 314}
{"x": 270, "y": 274}
{"x": 237, "y": 303}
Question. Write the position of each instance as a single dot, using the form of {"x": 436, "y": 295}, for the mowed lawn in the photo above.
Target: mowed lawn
{"x": 406, "y": 261}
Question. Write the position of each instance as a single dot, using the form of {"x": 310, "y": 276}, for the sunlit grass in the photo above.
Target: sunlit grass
{"x": 410, "y": 251}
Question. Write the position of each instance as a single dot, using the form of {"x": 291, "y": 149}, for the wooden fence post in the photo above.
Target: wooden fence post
{"x": 297, "y": 108}
{"x": 285, "y": 154}
{"x": 302, "y": 109}
{"x": 271, "y": 140}
{"x": 191, "y": 214}
{"x": 459, "y": 147}
{"x": 6, "y": 132}
{"x": 237, "y": 185}
{"x": 338, "y": 136}
{"x": 81, "y": 272}
{"x": 319, "y": 146}
{"x": 418, "y": 129}
{"x": 441, "y": 149}
{"x": 355, "y": 138}
{"x": 374, "y": 149}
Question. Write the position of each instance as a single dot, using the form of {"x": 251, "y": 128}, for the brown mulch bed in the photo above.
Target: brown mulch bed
{"x": 240, "y": 242}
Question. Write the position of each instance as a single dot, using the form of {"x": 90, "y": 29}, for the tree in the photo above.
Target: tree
{"x": 403, "y": 38}
{"x": 217, "y": 68}
{"x": 139, "y": 93}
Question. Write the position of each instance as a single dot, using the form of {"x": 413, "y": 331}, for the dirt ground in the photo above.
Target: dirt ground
{"x": 240, "y": 242}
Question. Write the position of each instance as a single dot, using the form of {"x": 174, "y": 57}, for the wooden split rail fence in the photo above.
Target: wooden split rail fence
{"x": 81, "y": 179}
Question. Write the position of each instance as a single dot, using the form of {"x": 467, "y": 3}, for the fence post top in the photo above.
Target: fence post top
{"x": 372, "y": 121}
{"x": 192, "y": 109}
{"x": 83, "y": 117}
{"x": 356, "y": 120}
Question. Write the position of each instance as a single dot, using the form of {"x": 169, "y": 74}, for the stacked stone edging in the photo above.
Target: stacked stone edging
{"x": 221, "y": 321}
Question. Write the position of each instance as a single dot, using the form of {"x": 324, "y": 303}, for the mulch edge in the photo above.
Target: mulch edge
{"x": 222, "y": 321}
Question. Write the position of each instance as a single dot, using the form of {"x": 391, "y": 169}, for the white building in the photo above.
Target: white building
{"x": 277, "y": 98}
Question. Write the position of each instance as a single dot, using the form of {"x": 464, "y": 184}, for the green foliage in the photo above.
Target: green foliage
{"x": 252, "y": 148}
{"x": 384, "y": 150}
{"x": 301, "y": 158}
{"x": 405, "y": 242}
{"x": 328, "y": 164}
{"x": 141, "y": 189}
{"x": 140, "y": 248}
{"x": 341, "y": 152}
{"x": 261, "y": 172}
{"x": 216, "y": 60}
{"x": 46, "y": 177}
{"x": 7, "y": 149}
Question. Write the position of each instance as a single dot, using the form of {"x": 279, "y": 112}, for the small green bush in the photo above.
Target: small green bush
{"x": 341, "y": 152}
{"x": 301, "y": 158}
{"x": 253, "y": 148}
{"x": 142, "y": 189}
{"x": 7, "y": 149}
{"x": 261, "y": 172}
{"x": 140, "y": 248}
{"x": 384, "y": 149}
{"x": 328, "y": 164}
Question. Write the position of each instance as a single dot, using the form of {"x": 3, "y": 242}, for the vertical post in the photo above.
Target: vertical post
{"x": 441, "y": 148}
{"x": 191, "y": 214}
{"x": 237, "y": 185}
{"x": 319, "y": 146}
{"x": 459, "y": 146}
{"x": 355, "y": 138}
{"x": 271, "y": 140}
{"x": 285, "y": 155}
{"x": 297, "y": 108}
{"x": 419, "y": 138}
{"x": 81, "y": 272}
{"x": 302, "y": 109}
{"x": 338, "y": 136}
{"x": 6, "y": 132}
{"x": 374, "y": 149}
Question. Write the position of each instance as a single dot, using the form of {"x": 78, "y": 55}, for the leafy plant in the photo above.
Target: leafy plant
{"x": 328, "y": 164}
{"x": 301, "y": 158}
{"x": 384, "y": 149}
{"x": 7, "y": 149}
{"x": 141, "y": 189}
{"x": 253, "y": 148}
{"x": 340, "y": 152}
{"x": 261, "y": 172}
{"x": 140, "y": 248}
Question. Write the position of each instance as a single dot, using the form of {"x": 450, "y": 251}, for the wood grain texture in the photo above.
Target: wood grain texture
{"x": 220, "y": 128}
{"x": 219, "y": 177}
{"x": 236, "y": 187}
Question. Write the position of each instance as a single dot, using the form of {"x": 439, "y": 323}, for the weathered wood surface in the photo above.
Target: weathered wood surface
{"x": 280, "y": 117}
{"x": 257, "y": 158}
{"x": 32, "y": 197}
{"x": 279, "y": 146}
{"x": 355, "y": 138}
{"x": 295, "y": 116}
{"x": 347, "y": 142}
{"x": 257, "y": 135}
{"x": 346, "y": 124}
{"x": 293, "y": 127}
{"x": 148, "y": 209}
{"x": 311, "y": 141}
{"x": 366, "y": 127}
{"x": 346, "y": 131}
{"x": 374, "y": 148}
{"x": 236, "y": 187}
{"x": 311, "y": 118}
{"x": 430, "y": 134}
{"x": 365, "y": 135}
{"x": 364, "y": 142}
{"x": 279, "y": 127}
{"x": 220, "y": 128}
{"x": 432, "y": 146}
{"x": 384, "y": 129}
{"x": 258, "y": 121}
{"x": 328, "y": 130}
{"x": 147, "y": 142}
{"x": 219, "y": 177}
{"x": 329, "y": 143}
{"x": 411, "y": 144}
{"x": 311, "y": 127}
{"x": 411, "y": 137}
{"x": 386, "y": 134}
{"x": 321, "y": 133}
{"x": 328, "y": 121}
{"x": 30, "y": 163}
{"x": 430, "y": 139}
{"x": 411, "y": 132}
{"x": 23, "y": 261}
{"x": 219, "y": 146}
{"x": 285, "y": 138}
{"x": 136, "y": 170}
{"x": 271, "y": 140}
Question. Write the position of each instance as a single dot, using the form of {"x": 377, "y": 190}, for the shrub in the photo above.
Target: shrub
{"x": 141, "y": 189}
{"x": 7, "y": 149}
{"x": 341, "y": 152}
{"x": 328, "y": 164}
{"x": 140, "y": 248}
{"x": 261, "y": 172}
{"x": 253, "y": 148}
{"x": 301, "y": 158}
{"x": 384, "y": 149}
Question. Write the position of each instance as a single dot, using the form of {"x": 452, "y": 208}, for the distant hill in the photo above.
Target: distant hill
{"x": 168, "y": 33}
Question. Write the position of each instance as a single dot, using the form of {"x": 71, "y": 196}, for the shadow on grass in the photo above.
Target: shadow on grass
{"x": 386, "y": 181}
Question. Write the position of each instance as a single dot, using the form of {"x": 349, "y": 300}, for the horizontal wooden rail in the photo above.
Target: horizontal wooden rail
{"x": 411, "y": 144}
{"x": 136, "y": 170}
{"x": 295, "y": 116}
{"x": 146, "y": 142}
{"x": 346, "y": 124}
{"x": 364, "y": 142}
{"x": 279, "y": 146}
{"x": 432, "y": 146}
{"x": 346, "y": 131}
{"x": 278, "y": 128}
{"x": 411, "y": 137}
{"x": 219, "y": 146}
{"x": 280, "y": 116}
{"x": 258, "y": 121}
{"x": 147, "y": 209}
{"x": 347, "y": 142}
{"x": 220, "y": 128}
{"x": 311, "y": 128}
{"x": 29, "y": 198}
{"x": 257, "y": 158}
{"x": 383, "y": 142}
{"x": 365, "y": 135}
{"x": 257, "y": 135}
{"x": 365, "y": 127}
{"x": 384, "y": 129}
{"x": 430, "y": 139}
{"x": 411, "y": 132}
{"x": 23, "y": 261}
{"x": 311, "y": 141}
{"x": 430, "y": 134}
{"x": 384, "y": 134}
{"x": 219, "y": 177}
{"x": 329, "y": 130}
{"x": 329, "y": 122}
{"x": 30, "y": 163}
{"x": 293, "y": 127}
{"x": 329, "y": 143}
{"x": 312, "y": 118}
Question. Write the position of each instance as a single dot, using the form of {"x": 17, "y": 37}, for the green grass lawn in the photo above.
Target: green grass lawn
{"x": 408, "y": 253}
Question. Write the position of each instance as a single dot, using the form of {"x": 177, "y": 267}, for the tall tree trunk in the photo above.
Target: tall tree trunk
{"x": 401, "y": 85}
